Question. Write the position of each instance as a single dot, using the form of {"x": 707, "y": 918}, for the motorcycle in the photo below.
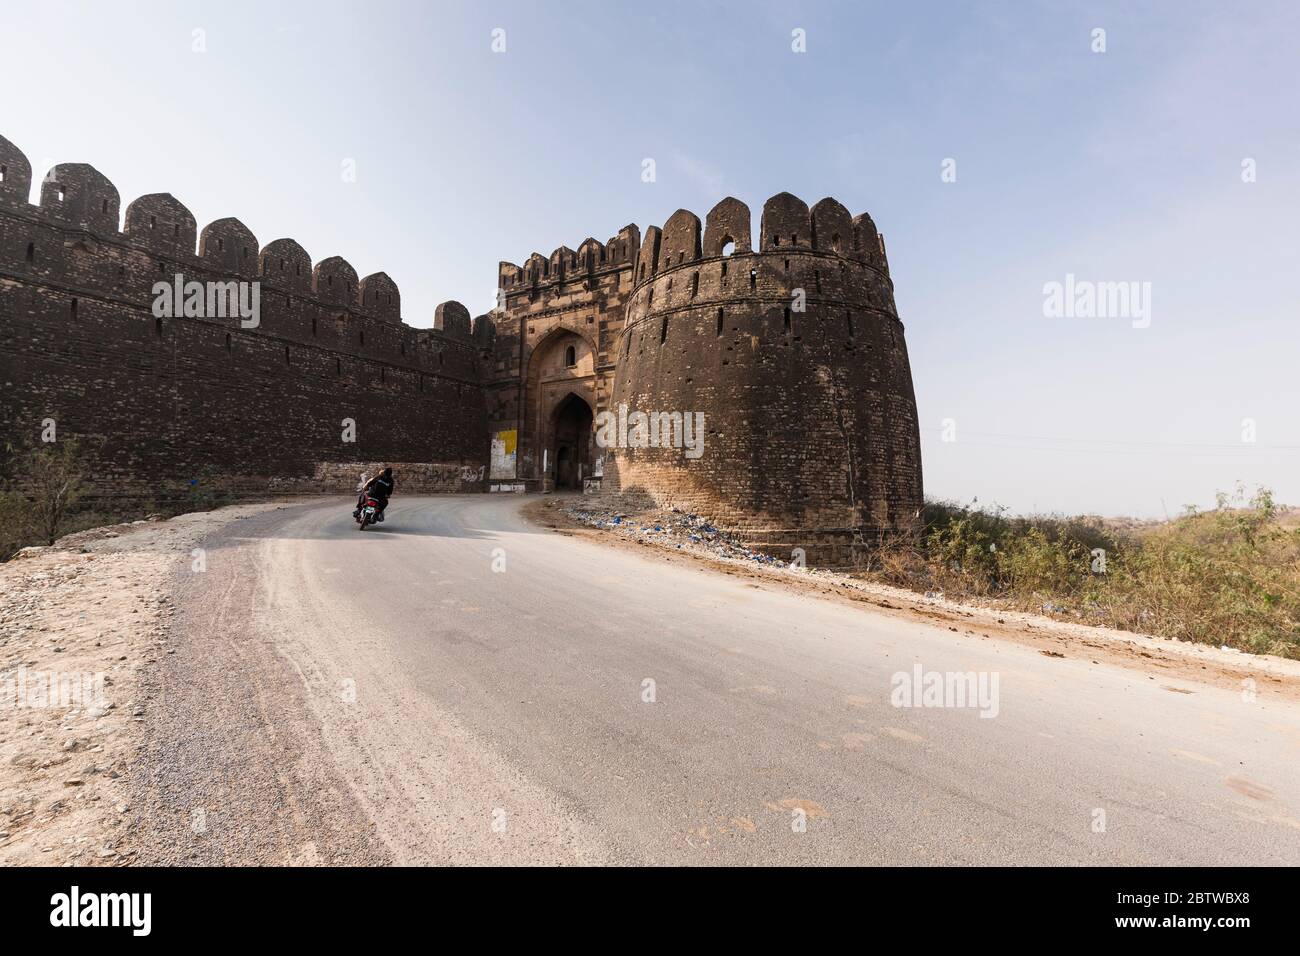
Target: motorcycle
{"x": 369, "y": 514}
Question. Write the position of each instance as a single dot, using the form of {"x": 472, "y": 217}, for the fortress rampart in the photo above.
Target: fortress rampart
{"x": 181, "y": 398}
{"x": 789, "y": 347}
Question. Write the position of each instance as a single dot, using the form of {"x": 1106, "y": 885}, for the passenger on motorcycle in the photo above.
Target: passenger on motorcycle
{"x": 380, "y": 488}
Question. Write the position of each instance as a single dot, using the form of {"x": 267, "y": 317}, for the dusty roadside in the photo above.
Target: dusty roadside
{"x": 79, "y": 623}
{"x": 1159, "y": 659}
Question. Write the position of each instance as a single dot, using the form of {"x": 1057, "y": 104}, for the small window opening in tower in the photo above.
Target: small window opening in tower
{"x": 570, "y": 357}
{"x": 787, "y": 265}
{"x": 362, "y": 337}
{"x": 176, "y": 229}
{"x": 848, "y": 318}
{"x": 4, "y": 172}
{"x": 719, "y": 331}
{"x": 104, "y": 206}
{"x": 74, "y": 308}
{"x": 695, "y": 285}
{"x": 728, "y": 246}
{"x": 157, "y": 327}
{"x": 753, "y": 279}
{"x": 776, "y": 240}
{"x": 835, "y": 242}
{"x": 228, "y": 342}
{"x": 724, "y": 269}
{"x": 286, "y": 355}
{"x": 58, "y": 193}
{"x": 663, "y": 331}
{"x": 786, "y": 321}
{"x": 313, "y": 325}
{"x": 794, "y": 240}
{"x": 31, "y": 252}
{"x": 221, "y": 245}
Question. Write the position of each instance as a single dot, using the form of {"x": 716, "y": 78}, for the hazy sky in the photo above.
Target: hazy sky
{"x": 1119, "y": 166}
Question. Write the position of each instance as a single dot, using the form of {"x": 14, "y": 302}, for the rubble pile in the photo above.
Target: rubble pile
{"x": 673, "y": 528}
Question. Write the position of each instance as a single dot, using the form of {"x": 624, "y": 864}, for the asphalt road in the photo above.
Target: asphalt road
{"x": 458, "y": 685}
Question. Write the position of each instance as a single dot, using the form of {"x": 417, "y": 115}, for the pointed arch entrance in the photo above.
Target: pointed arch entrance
{"x": 570, "y": 441}
{"x": 557, "y": 445}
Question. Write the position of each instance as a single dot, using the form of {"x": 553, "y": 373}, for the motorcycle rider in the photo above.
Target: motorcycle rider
{"x": 380, "y": 488}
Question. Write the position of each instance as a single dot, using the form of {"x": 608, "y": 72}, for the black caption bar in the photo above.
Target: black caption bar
{"x": 138, "y": 906}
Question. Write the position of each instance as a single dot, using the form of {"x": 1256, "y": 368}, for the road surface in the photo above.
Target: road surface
{"x": 461, "y": 686}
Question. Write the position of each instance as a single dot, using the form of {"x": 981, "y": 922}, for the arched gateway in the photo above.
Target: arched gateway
{"x": 571, "y": 443}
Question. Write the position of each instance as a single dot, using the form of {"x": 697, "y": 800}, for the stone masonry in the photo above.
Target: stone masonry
{"x": 792, "y": 351}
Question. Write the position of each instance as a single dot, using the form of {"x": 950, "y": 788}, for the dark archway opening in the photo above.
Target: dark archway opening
{"x": 570, "y": 442}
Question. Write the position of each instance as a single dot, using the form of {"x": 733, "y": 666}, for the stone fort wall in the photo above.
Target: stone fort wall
{"x": 792, "y": 350}
{"x": 180, "y": 399}
{"x": 795, "y": 355}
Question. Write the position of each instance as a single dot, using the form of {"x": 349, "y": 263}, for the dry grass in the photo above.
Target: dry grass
{"x": 1227, "y": 576}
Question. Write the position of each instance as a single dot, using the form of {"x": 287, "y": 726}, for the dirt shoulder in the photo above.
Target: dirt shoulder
{"x": 79, "y": 623}
{"x": 1158, "y": 658}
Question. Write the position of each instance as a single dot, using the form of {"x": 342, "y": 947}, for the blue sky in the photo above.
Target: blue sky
{"x": 1117, "y": 166}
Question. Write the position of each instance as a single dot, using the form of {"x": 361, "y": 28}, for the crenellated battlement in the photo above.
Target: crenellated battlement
{"x": 788, "y": 228}
{"x": 820, "y": 256}
{"x": 76, "y": 196}
{"x": 565, "y": 264}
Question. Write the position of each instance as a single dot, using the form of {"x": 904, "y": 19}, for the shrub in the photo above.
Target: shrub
{"x": 1226, "y": 576}
{"x": 50, "y": 481}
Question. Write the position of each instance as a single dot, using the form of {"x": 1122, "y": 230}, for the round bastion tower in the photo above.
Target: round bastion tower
{"x": 795, "y": 355}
